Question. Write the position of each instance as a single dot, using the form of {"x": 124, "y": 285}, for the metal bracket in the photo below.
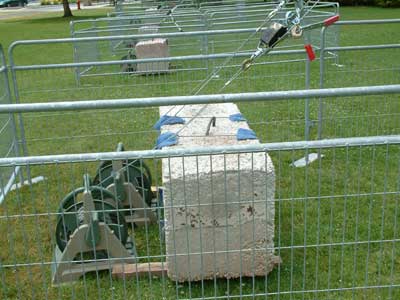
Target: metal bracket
{"x": 212, "y": 123}
{"x": 129, "y": 197}
{"x": 65, "y": 269}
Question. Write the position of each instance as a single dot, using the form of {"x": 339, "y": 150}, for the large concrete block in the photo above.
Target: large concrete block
{"x": 219, "y": 210}
{"x": 156, "y": 48}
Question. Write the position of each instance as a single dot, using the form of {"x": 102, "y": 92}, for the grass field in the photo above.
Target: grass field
{"x": 336, "y": 226}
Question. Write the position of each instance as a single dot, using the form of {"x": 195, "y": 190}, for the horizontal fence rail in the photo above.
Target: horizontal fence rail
{"x": 201, "y": 99}
{"x": 197, "y": 151}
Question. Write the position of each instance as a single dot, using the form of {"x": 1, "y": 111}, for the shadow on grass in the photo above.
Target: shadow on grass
{"x": 59, "y": 19}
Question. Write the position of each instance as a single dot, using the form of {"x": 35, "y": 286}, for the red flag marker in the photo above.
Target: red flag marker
{"x": 331, "y": 20}
{"x": 310, "y": 52}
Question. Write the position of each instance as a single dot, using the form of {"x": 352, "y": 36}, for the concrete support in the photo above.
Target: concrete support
{"x": 219, "y": 210}
{"x": 152, "y": 49}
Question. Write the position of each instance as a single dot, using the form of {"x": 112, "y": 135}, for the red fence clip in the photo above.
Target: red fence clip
{"x": 310, "y": 52}
{"x": 331, "y": 20}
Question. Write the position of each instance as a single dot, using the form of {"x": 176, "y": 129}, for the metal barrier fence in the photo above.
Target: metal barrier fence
{"x": 124, "y": 7}
{"x": 122, "y": 27}
{"x": 221, "y": 18}
{"x": 58, "y": 84}
{"x": 101, "y": 77}
{"x": 8, "y": 134}
{"x": 335, "y": 230}
{"x": 357, "y": 66}
{"x": 142, "y": 5}
{"x": 334, "y": 223}
{"x": 281, "y": 70}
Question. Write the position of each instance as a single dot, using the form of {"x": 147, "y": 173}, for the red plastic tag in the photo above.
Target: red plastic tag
{"x": 331, "y": 20}
{"x": 310, "y": 52}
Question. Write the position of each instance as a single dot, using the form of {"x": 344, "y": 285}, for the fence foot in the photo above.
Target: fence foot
{"x": 34, "y": 180}
{"x": 306, "y": 160}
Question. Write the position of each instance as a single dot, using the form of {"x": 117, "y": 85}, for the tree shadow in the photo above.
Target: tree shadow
{"x": 60, "y": 19}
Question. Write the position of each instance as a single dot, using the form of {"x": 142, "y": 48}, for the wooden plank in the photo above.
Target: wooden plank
{"x": 156, "y": 190}
{"x": 141, "y": 270}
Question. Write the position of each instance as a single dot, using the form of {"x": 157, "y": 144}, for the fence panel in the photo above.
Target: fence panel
{"x": 282, "y": 121}
{"x": 336, "y": 229}
{"x": 212, "y": 18}
{"x": 360, "y": 66}
{"x": 8, "y": 138}
{"x": 88, "y": 131}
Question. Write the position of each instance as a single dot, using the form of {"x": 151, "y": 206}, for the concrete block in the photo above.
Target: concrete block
{"x": 219, "y": 210}
{"x": 156, "y": 48}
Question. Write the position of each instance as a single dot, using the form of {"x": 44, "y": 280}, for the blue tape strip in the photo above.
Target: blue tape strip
{"x": 245, "y": 134}
{"x": 237, "y": 118}
{"x": 168, "y": 120}
{"x": 166, "y": 139}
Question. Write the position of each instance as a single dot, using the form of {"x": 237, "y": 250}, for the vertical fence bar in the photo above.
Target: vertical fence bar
{"x": 13, "y": 149}
{"x": 321, "y": 82}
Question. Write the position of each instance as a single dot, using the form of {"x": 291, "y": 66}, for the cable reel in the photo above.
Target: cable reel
{"x": 71, "y": 215}
{"x": 129, "y": 67}
{"x": 134, "y": 171}
{"x": 90, "y": 230}
{"x": 130, "y": 182}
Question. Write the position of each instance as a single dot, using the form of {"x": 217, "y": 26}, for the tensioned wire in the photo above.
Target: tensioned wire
{"x": 203, "y": 84}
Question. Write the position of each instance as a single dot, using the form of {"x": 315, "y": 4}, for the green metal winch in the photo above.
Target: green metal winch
{"x": 134, "y": 171}
{"x": 92, "y": 231}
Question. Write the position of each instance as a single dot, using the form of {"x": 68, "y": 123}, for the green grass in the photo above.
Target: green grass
{"x": 350, "y": 196}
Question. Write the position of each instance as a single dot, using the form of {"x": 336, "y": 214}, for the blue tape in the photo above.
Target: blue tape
{"x": 166, "y": 139}
{"x": 168, "y": 120}
{"x": 245, "y": 134}
{"x": 237, "y": 117}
